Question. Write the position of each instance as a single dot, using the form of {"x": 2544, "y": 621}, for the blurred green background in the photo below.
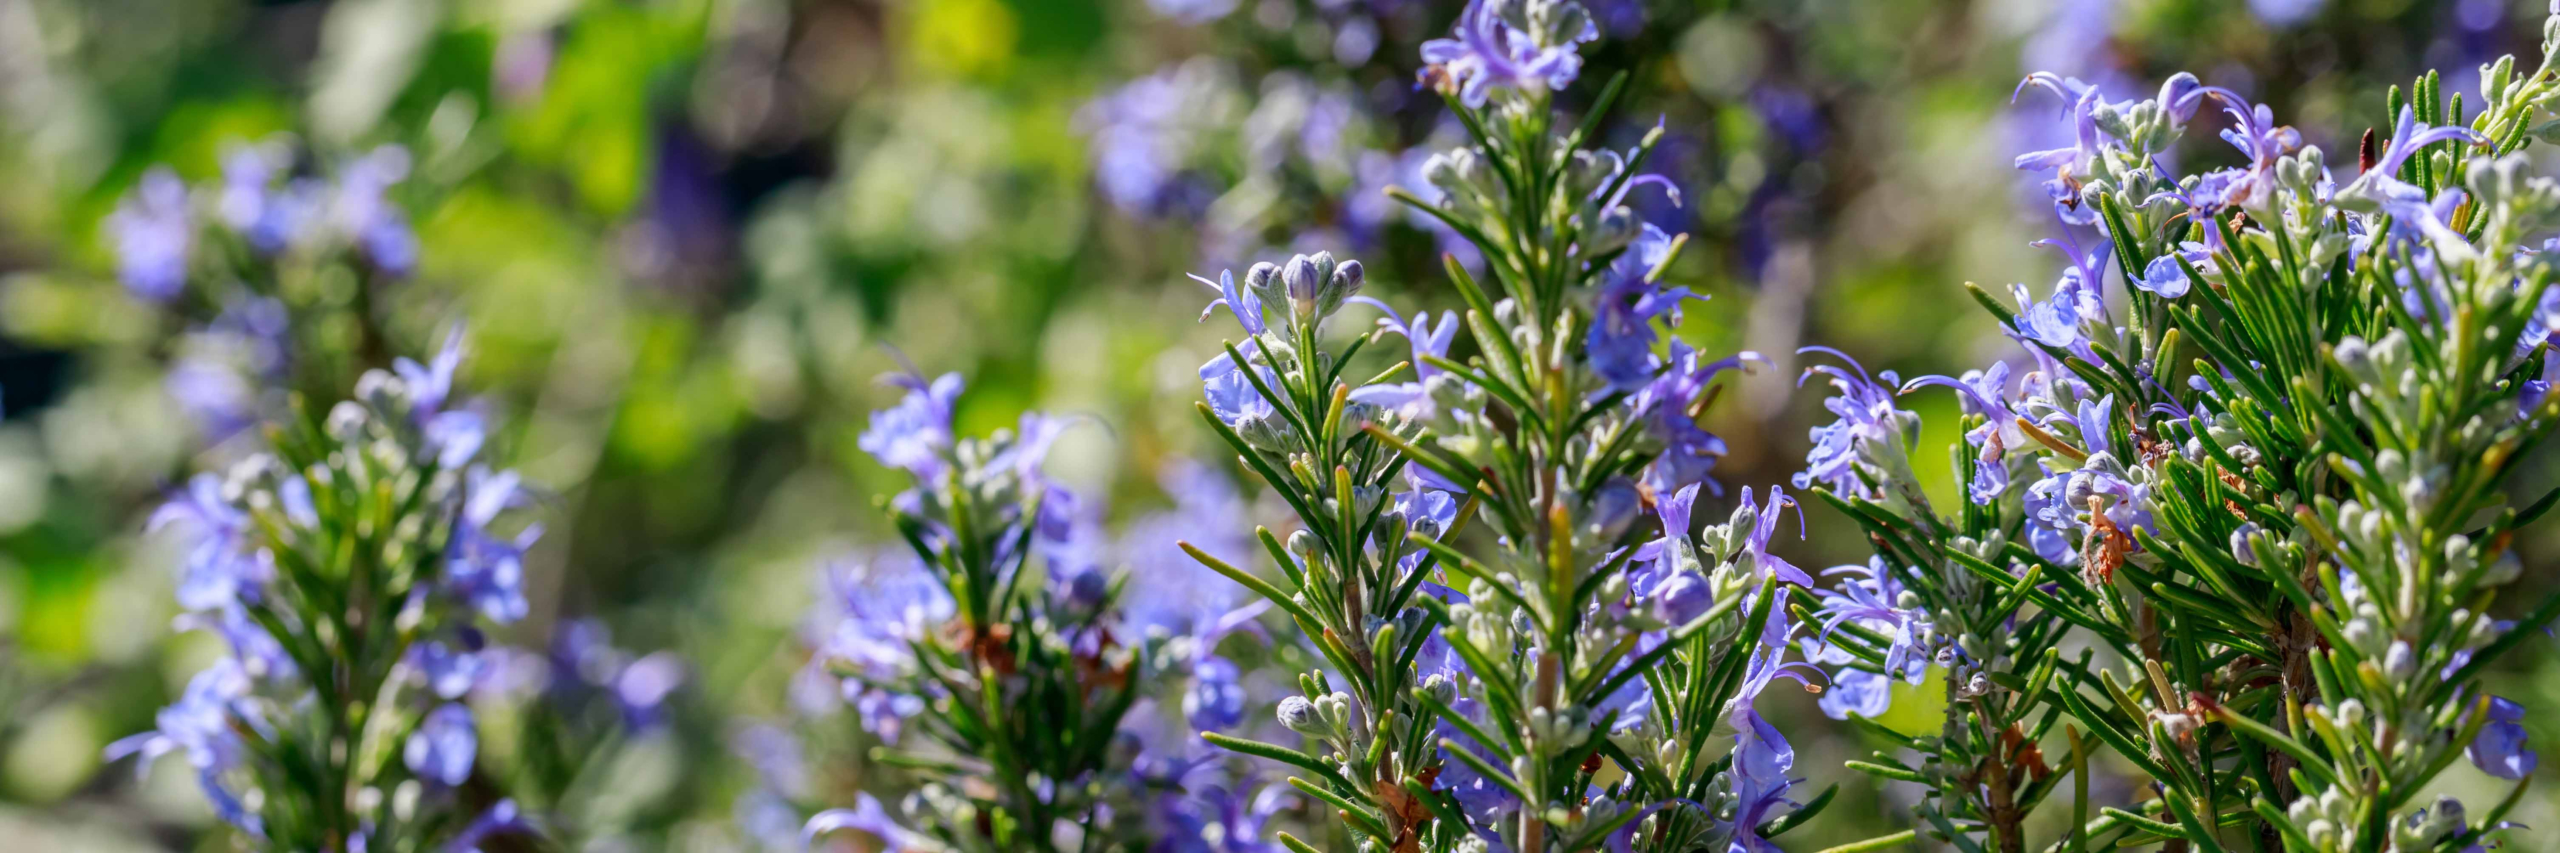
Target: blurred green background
{"x": 683, "y": 233}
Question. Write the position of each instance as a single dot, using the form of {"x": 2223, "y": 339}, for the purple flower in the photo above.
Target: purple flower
{"x": 640, "y": 691}
{"x": 1522, "y": 45}
{"x": 1683, "y": 598}
{"x": 1761, "y": 755}
{"x": 2254, "y": 131}
{"x": 914, "y": 434}
{"x": 2054, "y": 322}
{"x": 367, "y": 218}
{"x": 882, "y": 606}
{"x": 1986, "y": 393}
{"x": 1425, "y": 509}
{"x": 873, "y": 614}
{"x": 1765, "y": 527}
{"x": 1667, "y": 407}
{"x": 449, "y": 672}
{"x": 1217, "y": 819}
{"x": 2499, "y": 750}
{"x": 153, "y": 235}
{"x": 1620, "y": 343}
{"x": 480, "y": 567}
{"x": 1411, "y": 399}
{"x": 1231, "y": 394}
{"x": 1856, "y": 691}
{"x": 1480, "y": 798}
{"x": 1867, "y": 417}
{"x": 441, "y": 750}
{"x": 2379, "y": 187}
{"x": 200, "y": 725}
{"x": 1871, "y": 599}
{"x": 1142, "y": 133}
{"x": 251, "y": 205}
{"x": 868, "y": 818}
{"x": 431, "y": 383}
{"x": 1244, "y": 304}
{"x": 219, "y": 568}
{"x": 1426, "y": 340}
{"x": 1216, "y": 699}
{"x": 2163, "y": 278}
{"x": 1673, "y": 510}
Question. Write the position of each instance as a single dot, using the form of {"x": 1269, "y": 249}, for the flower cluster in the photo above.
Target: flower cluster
{"x": 1011, "y": 650}
{"x": 2262, "y": 484}
{"x": 1470, "y": 698}
{"x": 349, "y": 570}
{"x": 221, "y": 256}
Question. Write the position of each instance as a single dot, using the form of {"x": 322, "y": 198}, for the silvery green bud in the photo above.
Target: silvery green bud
{"x": 382, "y": 390}
{"x": 1266, "y": 433}
{"x": 1335, "y": 708}
{"x": 1303, "y": 544}
{"x": 347, "y": 420}
{"x": 2365, "y": 635}
{"x": 2400, "y": 663}
{"x": 1462, "y": 178}
{"x": 1301, "y": 716}
{"x": 1441, "y": 687}
{"x": 2357, "y": 357}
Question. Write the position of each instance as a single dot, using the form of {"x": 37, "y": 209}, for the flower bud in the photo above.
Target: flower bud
{"x": 2176, "y": 99}
{"x": 1299, "y": 715}
{"x": 1301, "y": 280}
{"x": 1344, "y": 284}
{"x": 2400, "y": 662}
{"x": 1263, "y": 282}
{"x": 1441, "y": 688}
{"x": 2240, "y": 547}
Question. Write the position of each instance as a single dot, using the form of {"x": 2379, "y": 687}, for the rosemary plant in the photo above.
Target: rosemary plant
{"x": 1584, "y": 679}
{"x": 2271, "y": 495}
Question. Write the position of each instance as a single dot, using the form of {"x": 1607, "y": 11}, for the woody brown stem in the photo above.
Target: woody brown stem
{"x": 2000, "y": 813}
